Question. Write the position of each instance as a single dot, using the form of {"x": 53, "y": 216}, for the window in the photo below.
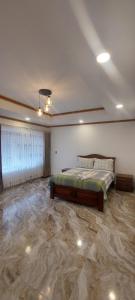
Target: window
{"x": 23, "y": 154}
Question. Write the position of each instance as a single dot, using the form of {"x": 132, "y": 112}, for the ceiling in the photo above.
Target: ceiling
{"x": 54, "y": 44}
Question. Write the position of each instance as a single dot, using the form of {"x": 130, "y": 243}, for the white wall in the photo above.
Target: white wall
{"x": 108, "y": 139}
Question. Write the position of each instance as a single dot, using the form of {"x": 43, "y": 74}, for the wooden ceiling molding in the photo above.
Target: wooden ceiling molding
{"x": 79, "y": 111}
{"x": 61, "y": 114}
{"x": 23, "y": 121}
{"x": 20, "y": 104}
{"x": 69, "y": 125}
{"x": 95, "y": 123}
{"x": 52, "y": 115}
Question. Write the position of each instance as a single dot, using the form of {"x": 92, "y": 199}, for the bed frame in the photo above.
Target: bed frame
{"x": 81, "y": 196}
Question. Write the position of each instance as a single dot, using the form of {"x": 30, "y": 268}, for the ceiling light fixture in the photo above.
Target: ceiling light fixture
{"x": 103, "y": 57}
{"x": 112, "y": 296}
{"x": 79, "y": 243}
{"x": 28, "y": 249}
{"x": 119, "y": 106}
{"x": 48, "y": 102}
{"x": 40, "y": 111}
{"x": 81, "y": 121}
{"x": 27, "y": 119}
{"x": 46, "y": 109}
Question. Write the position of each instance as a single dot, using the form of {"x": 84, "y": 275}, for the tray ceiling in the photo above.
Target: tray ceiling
{"x": 53, "y": 44}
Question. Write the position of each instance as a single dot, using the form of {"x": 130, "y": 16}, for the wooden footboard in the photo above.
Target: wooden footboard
{"x": 80, "y": 196}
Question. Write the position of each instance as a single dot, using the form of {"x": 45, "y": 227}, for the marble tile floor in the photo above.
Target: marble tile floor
{"x": 55, "y": 250}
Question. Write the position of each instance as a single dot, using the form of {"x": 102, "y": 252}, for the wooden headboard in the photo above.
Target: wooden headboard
{"x": 100, "y": 157}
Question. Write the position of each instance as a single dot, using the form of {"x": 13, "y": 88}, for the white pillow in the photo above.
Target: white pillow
{"x": 103, "y": 164}
{"x": 86, "y": 163}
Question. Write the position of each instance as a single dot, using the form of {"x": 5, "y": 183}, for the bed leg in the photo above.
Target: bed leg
{"x": 52, "y": 190}
{"x": 100, "y": 201}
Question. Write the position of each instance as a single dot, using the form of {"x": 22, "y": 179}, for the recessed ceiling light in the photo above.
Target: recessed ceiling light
{"x": 28, "y": 249}
{"x": 103, "y": 57}
{"x": 118, "y": 106}
{"x": 79, "y": 243}
{"x": 81, "y": 121}
{"x": 27, "y": 119}
{"x": 112, "y": 296}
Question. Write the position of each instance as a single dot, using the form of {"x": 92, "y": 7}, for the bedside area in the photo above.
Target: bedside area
{"x": 124, "y": 182}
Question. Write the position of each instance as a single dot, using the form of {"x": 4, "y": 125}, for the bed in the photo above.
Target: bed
{"x": 82, "y": 185}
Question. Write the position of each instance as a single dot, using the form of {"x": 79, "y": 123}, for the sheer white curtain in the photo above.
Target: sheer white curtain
{"x": 23, "y": 154}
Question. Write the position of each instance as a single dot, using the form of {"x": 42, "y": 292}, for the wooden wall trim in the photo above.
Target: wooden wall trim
{"x": 48, "y": 114}
{"x": 95, "y": 123}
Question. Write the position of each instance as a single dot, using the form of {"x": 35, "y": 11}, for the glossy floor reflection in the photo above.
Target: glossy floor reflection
{"x": 55, "y": 250}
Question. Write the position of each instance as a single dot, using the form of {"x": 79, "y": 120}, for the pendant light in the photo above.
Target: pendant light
{"x": 46, "y": 109}
{"x": 39, "y": 108}
{"x": 48, "y": 102}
